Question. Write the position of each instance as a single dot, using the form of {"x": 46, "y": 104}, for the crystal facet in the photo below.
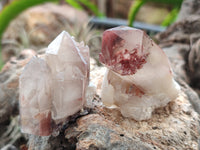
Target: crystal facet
{"x": 35, "y": 98}
{"x": 69, "y": 66}
{"x": 53, "y": 88}
{"x": 139, "y": 77}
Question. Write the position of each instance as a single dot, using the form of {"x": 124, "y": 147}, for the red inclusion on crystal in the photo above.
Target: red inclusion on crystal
{"x": 124, "y": 62}
{"x": 45, "y": 123}
{"x": 128, "y": 66}
{"x": 110, "y": 41}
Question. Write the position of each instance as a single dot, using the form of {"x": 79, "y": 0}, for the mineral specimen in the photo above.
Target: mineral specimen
{"x": 139, "y": 77}
{"x": 53, "y": 88}
{"x": 69, "y": 64}
{"x": 35, "y": 98}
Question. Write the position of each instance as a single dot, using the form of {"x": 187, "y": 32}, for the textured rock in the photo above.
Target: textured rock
{"x": 139, "y": 77}
{"x": 107, "y": 135}
{"x": 189, "y": 8}
{"x": 9, "y": 81}
{"x": 9, "y": 147}
{"x": 54, "y": 88}
{"x": 165, "y": 129}
{"x": 180, "y": 42}
{"x": 9, "y": 97}
{"x": 194, "y": 65}
{"x": 172, "y": 127}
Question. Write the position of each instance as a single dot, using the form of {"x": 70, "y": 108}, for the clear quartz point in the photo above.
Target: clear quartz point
{"x": 139, "y": 77}
{"x": 70, "y": 72}
{"x": 35, "y": 98}
{"x": 54, "y": 88}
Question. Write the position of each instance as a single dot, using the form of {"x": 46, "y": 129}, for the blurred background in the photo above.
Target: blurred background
{"x": 34, "y": 23}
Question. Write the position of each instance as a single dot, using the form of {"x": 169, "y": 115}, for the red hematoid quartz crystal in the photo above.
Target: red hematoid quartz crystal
{"x": 116, "y": 55}
{"x": 53, "y": 88}
{"x": 139, "y": 77}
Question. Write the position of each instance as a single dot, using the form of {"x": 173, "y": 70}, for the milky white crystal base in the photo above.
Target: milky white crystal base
{"x": 139, "y": 77}
{"x": 117, "y": 92}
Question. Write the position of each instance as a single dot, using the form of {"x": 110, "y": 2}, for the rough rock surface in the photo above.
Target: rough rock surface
{"x": 181, "y": 43}
{"x": 189, "y": 9}
{"x": 9, "y": 77}
{"x": 174, "y": 126}
{"x": 9, "y": 111}
{"x": 94, "y": 131}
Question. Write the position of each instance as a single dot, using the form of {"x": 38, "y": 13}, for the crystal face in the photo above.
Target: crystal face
{"x": 53, "y": 88}
{"x": 139, "y": 77}
{"x": 35, "y": 98}
{"x": 69, "y": 67}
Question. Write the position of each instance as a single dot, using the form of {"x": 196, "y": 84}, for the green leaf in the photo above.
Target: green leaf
{"x": 170, "y": 2}
{"x": 13, "y": 9}
{"x": 171, "y": 17}
{"x": 74, "y": 4}
{"x": 10, "y": 11}
{"x": 92, "y": 7}
{"x": 135, "y": 7}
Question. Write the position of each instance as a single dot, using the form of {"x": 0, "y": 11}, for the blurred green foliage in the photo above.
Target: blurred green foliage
{"x": 170, "y": 18}
{"x": 92, "y": 7}
{"x": 10, "y": 11}
{"x": 88, "y": 4}
{"x": 135, "y": 7}
{"x": 14, "y": 8}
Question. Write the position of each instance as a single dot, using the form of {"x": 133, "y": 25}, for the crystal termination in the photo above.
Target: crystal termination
{"x": 139, "y": 77}
{"x": 53, "y": 88}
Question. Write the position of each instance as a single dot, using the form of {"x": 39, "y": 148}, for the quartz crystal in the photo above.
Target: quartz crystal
{"x": 139, "y": 77}
{"x": 70, "y": 70}
{"x": 53, "y": 88}
{"x": 35, "y": 98}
